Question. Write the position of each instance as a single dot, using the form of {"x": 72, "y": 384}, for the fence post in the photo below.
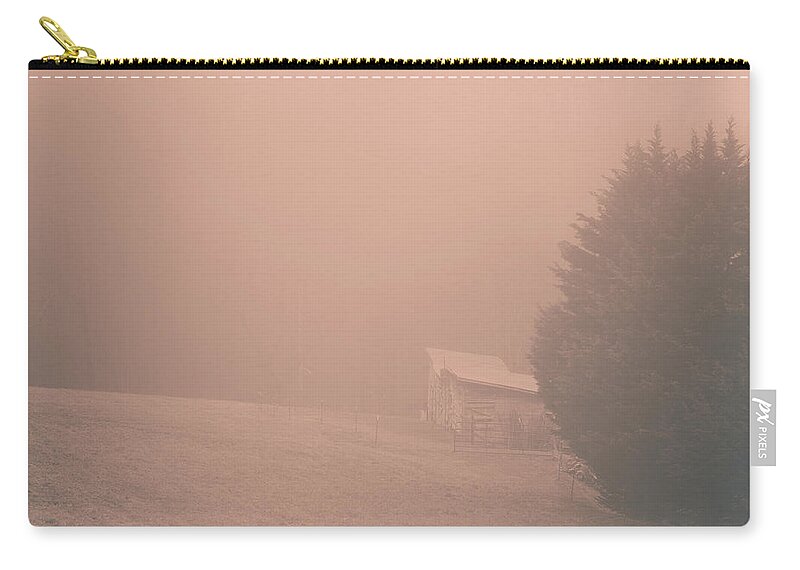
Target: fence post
{"x": 572, "y": 487}
{"x": 454, "y": 440}
{"x": 377, "y": 419}
{"x": 472, "y": 428}
{"x": 320, "y": 411}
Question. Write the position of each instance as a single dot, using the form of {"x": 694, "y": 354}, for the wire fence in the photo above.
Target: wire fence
{"x": 512, "y": 435}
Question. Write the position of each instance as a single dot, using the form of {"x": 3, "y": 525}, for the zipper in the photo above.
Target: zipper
{"x": 79, "y": 57}
{"x": 72, "y": 53}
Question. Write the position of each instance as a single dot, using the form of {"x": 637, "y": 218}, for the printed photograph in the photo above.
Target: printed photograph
{"x": 378, "y": 300}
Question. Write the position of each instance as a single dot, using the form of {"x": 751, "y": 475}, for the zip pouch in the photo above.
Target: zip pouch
{"x": 382, "y": 292}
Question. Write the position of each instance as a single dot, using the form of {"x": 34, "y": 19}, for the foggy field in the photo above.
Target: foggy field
{"x": 98, "y": 458}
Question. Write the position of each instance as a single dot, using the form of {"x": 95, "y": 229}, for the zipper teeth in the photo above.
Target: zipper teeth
{"x": 381, "y": 63}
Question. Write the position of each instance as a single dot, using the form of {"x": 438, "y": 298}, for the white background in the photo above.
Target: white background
{"x": 762, "y": 33}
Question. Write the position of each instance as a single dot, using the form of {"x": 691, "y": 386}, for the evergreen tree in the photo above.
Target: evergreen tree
{"x": 645, "y": 360}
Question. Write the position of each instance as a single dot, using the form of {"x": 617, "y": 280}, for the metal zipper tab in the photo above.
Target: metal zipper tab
{"x": 72, "y": 53}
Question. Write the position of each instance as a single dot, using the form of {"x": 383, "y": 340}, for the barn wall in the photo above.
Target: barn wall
{"x": 452, "y": 401}
{"x": 445, "y": 399}
{"x": 502, "y": 404}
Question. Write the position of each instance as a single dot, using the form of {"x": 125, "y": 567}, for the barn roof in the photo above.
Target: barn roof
{"x": 480, "y": 369}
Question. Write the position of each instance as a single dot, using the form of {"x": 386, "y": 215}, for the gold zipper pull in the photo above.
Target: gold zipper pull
{"x": 72, "y": 53}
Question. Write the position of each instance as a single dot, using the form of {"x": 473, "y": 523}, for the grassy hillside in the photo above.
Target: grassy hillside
{"x": 98, "y": 458}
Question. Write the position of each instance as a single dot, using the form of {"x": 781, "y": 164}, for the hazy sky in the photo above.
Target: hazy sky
{"x": 204, "y": 236}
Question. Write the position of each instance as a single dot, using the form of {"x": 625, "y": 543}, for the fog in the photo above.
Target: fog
{"x": 306, "y": 240}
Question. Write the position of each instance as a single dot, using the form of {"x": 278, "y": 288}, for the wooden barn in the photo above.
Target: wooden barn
{"x": 477, "y": 396}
